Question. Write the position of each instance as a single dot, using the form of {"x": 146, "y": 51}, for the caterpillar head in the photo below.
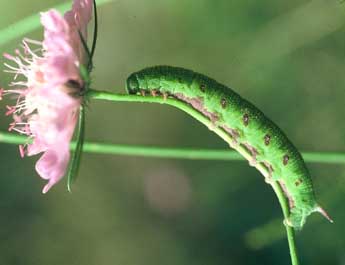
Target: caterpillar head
{"x": 132, "y": 84}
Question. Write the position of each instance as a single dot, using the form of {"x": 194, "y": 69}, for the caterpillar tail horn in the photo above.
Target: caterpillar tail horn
{"x": 324, "y": 213}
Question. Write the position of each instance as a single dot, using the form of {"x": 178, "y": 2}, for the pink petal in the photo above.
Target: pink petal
{"x": 52, "y": 166}
{"x": 21, "y": 151}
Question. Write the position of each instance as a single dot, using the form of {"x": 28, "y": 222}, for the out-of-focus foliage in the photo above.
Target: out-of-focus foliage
{"x": 288, "y": 57}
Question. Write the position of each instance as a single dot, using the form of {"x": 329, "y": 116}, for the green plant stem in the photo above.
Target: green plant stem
{"x": 177, "y": 153}
{"x": 290, "y": 232}
{"x": 221, "y": 133}
{"x": 190, "y": 153}
{"x": 31, "y": 23}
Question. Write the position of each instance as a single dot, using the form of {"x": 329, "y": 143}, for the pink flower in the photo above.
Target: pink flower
{"x": 47, "y": 107}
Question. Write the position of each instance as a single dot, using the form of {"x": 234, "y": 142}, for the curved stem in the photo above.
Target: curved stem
{"x": 95, "y": 32}
{"x": 221, "y": 133}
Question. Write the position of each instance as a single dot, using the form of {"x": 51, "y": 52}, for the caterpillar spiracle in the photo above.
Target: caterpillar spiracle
{"x": 248, "y": 127}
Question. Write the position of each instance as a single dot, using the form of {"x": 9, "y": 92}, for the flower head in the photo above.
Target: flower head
{"x": 46, "y": 108}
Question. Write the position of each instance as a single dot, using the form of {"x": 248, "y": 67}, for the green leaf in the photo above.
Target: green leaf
{"x": 76, "y": 156}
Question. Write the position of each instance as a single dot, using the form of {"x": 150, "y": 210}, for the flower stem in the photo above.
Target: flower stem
{"x": 221, "y": 133}
{"x": 177, "y": 153}
{"x": 290, "y": 232}
{"x": 186, "y": 153}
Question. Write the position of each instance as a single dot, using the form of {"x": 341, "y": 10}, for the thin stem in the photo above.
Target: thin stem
{"x": 95, "y": 31}
{"x": 177, "y": 153}
{"x": 189, "y": 153}
{"x": 290, "y": 232}
{"x": 221, "y": 133}
{"x": 314, "y": 157}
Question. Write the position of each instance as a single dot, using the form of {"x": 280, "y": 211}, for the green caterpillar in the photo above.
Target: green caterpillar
{"x": 248, "y": 127}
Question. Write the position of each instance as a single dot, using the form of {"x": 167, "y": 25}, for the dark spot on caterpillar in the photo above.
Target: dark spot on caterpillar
{"x": 267, "y": 139}
{"x": 223, "y": 103}
{"x": 202, "y": 87}
{"x": 285, "y": 160}
{"x": 246, "y": 119}
{"x": 298, "y": 182}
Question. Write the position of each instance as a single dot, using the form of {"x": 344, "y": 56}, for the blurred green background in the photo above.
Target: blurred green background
{"x": 288, "y": 57}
